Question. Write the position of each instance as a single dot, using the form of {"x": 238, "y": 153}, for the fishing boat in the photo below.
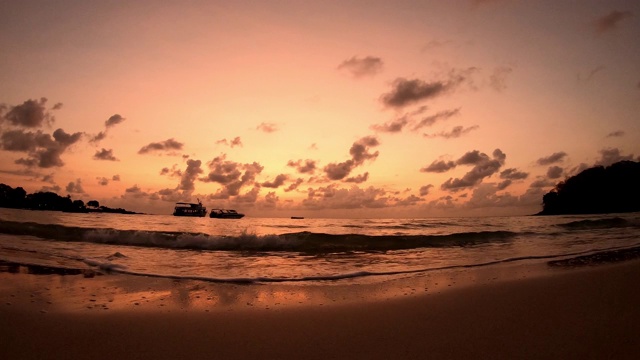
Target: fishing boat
{"x": 225, "y": 214}
{"x": 190, "y": 209}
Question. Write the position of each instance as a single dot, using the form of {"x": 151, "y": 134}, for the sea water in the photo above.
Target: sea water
{"x": 266, "y": 250}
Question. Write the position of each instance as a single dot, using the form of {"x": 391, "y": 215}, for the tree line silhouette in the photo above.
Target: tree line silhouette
{"x": 596, "y": 190}
{"x": 46, "y": 200}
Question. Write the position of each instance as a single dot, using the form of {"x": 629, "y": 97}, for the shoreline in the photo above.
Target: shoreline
{"x": 586, "y": 312}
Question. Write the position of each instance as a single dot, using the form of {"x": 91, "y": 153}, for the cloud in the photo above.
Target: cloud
{"x": 360, "y": 152}
{"x": 304, "y": 167}
{"x": 75, "y": 187}
{"x": 30, "y": 114}
{"x": 332, "y": 197}
{"x": 513, "y": 174}
{"x": 610, "y": 21}
{"x": 552, "y": 159}
{"x": 276, "y": 183}
{"x": 113, "y": 120}
{"x": 456, "y": 132}
{"x": 610, "y": 156}
{"x": 190, "y": 175}
{"x": 115, "y": 178}
{"x": 104, "y": 154}
{"x": 167, "y": 145}
{"x": 231, "y": 175}
{"x": 432, "y": 119}
{"x": 358, "y": 179}
{"x": 439, "y": 166}
{"x": 618, "y": 133}
{"x": 498, "y": 79}
{"x": 424, "y": 190}
{"x": 410, "y": 91}
{"x": 542, "y": 183}
{"x": 267, "y": 127}
{"x": 232, "y": 143}
{"x": 103, "y": 181}
{"x": 294, "y": 185}
{"x": 554, "y": 172}
{"x": 42, "y": 149}
{"x": 483, "y": 166}
{"x": 393, "y": 126}
{"x": 361, "y": 67}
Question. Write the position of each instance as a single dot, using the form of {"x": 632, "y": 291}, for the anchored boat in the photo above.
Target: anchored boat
{"x": 225, "y": 214}
{"x": 190, "y": 209}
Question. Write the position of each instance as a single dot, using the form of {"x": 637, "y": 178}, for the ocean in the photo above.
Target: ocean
{"x": 310, "y": 250}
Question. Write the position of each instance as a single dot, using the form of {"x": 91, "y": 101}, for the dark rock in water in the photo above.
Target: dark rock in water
{"x": 598, "y": 190}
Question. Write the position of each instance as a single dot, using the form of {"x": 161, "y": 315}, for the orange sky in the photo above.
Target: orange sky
{"x": 319, "y": 109}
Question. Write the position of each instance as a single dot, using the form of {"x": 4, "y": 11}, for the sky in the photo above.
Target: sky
{"x": 338, "y": 109}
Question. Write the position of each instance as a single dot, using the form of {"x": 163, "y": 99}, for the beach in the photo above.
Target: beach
{"x": 584, "y": 312}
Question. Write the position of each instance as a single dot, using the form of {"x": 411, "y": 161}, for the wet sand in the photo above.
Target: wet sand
{"x": 587, "y": 312}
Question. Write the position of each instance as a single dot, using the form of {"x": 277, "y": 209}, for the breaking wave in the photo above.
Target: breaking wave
{"x": 308, "y": 242}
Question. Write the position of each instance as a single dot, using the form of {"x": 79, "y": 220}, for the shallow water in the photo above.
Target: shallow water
{"x": 312, "y": 250}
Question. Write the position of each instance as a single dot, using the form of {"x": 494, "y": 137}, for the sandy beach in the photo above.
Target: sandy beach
{"x": 586, "y": 312}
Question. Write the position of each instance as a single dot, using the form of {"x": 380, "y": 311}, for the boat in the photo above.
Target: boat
{"x": 225, "y": 214}
{"x": 190, "y": 209}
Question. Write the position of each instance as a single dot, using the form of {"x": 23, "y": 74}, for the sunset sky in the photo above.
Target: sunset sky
{"x": 316, "y": 108}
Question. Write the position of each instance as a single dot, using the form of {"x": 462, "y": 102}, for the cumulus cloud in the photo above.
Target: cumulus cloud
{"x": 513, "y": 174}
{"x": 358, "y": 179}
{"x": 303, "y": 166}
{"x": 267, "y": 127}
{"x": 169, "y": 145}
{"x": 231, "y": 175}
{"x": 410, "y": 91}
{"x": 75, "y": 187}
{"x": 112, "y": 121}
{"x": 456, "y": 132}
{"x": 277, "y": 182}
{"x": 393, "y": 126}
{"x": 104, "y": 154}
{"x": 361, "y": 67}
{"x": 610, "y": 156}
{"x": 483, "y": 166}
{"x": 617, "y": 133}
{"x": 232, "y": 143}
{"x": 294, "y": 185}
{"x": 360, "y": 152}
{"x": 554, "y": 172}
{"x": 439, "y": 166}
{"x": 115, "y": 178}
{"x": 552, "y": 159}
{"x": 29, "y": 114}
{"x": 424, "y": 190}
{"x": 542, "y": 183}
{"x": 42, "y": 149}
{"x": 190, "y": 175}
{"x": 332, "y": 197}
{"x": 610, "y": 21}
{"x": 103, "y": 181}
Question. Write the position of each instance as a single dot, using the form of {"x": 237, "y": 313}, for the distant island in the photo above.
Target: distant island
{"x": 597, "y": 190}
{"x": 45, "y": 200}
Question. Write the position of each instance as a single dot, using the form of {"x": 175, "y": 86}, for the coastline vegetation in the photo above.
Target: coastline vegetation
{"x": 17, "y": 198}
{"x": 597, "y": 190}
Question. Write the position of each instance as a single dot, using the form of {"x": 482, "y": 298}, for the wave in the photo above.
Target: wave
{"x": 307, "y": 242}
{"x": 608, "y": 223}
